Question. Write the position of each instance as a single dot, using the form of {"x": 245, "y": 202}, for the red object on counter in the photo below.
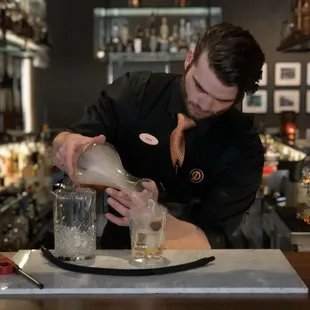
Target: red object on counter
{"x": 6, "y": 265}
{"x": 269, "y": 170}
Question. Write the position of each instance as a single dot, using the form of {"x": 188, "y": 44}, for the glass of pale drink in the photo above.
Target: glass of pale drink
{"x": 147, "y": 231}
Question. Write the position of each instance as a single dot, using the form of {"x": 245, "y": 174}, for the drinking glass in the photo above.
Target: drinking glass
{"x": 147, "y": 231}
{"x": 75, "y": 224}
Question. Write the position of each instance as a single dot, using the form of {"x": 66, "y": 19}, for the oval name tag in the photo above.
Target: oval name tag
{"x": 148, "y": 139}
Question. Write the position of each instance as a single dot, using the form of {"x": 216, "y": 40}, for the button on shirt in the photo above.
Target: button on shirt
{"x": 222, "y": 167}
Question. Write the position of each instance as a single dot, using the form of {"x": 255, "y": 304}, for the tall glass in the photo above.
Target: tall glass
{"x": 75, "y": 224}
{"x": 147, "y": 231}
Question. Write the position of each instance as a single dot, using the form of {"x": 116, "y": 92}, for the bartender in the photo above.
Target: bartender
{"x": 186, "y": 133}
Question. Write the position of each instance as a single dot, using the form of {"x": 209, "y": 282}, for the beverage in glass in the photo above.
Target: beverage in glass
{"x": 147, "y": 229}
{"x": 75, "y": 224}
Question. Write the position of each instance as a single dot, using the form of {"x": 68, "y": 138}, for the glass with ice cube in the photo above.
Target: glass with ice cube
{"x": 75, "y": 224}
{"x": 147, "y": 230}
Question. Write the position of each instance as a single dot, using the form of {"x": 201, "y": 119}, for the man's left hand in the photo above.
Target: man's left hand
{"x": 120, "y": 202}
{"x": 123, "y": 202}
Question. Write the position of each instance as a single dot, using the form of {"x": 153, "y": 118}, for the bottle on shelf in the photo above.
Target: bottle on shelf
{"x": 155, "y": 34}
{"x": 153, "y": 41}
{"x": 173, "y": 40}
{"x": 164, "y": 33}
{"x": 138, "y": 40}
{"x": 182, "y": 39}
{"x": 146, "y": 40}
{"x": 7, "y": 94}
{"x": 115, "y": 39}
{"x": 124, "y": 35}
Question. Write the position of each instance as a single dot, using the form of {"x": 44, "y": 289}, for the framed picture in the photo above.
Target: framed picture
{"x": 288, "y": 74}
{"x": 308, "y": 101}
{"x": 286, "y": 100}
{"x": 263, "y": 81}
{"x": 256, "y": 103}
{"x": 308, "y": 73}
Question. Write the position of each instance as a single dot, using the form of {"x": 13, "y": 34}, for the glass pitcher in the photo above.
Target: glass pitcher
{"x": 99, "y": 167}
{"x": 75, "y": 223}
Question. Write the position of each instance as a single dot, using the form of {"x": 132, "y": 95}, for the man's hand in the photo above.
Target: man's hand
{"x": 123, "y": 202}
{"x": 65, "y": 148}
{"x": 178, "y": 234}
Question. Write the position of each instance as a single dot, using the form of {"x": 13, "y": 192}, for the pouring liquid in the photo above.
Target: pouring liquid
{"x": 94, "y": 186}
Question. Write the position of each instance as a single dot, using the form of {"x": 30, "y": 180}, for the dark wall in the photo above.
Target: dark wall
{"x": 75, "y": 78}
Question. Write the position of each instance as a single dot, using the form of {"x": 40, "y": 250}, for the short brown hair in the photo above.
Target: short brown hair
{"x": 234, "y": 55}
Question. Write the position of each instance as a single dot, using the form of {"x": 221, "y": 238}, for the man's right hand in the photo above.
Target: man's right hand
{"x": 65, "y": 148}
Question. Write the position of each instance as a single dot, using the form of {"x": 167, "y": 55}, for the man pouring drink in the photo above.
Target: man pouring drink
{"x": 186, "y": 134}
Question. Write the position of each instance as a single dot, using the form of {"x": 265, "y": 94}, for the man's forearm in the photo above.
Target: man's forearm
{"x": 185, "y": 236}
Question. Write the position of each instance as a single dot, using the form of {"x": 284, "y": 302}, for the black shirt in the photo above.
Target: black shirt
{"x": 223, "y": 162}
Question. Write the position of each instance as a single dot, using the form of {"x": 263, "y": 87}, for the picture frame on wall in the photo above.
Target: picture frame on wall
{"x": 288, "y": 74}
{"x": 308, "y": 101}
{"x": 286, "y": 100}
{"x": 255, "y": 103}
{"x": 308, "y": 74}
{"x": 263, "y": 81}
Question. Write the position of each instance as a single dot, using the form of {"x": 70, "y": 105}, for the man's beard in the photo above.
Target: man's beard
{"x": 187, "y": 104}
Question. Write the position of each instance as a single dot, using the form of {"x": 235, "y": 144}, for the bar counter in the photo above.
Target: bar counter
{"x": 300, "y": 262}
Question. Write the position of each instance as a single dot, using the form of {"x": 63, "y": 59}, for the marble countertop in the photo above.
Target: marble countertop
{"x": 233, "y": 272}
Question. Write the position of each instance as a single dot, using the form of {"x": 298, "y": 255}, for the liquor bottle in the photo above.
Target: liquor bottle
{"x": 182, "y": 39}
{"x": 138, "y": 40}
{"x": 152, "y": 23}
{"x": 146, "y": 40}
{"x": 6, "y": 89}
{"x": 124, "y": 35}
{"x": 114, "y": 41}
{"x": 174, "y": 46}
{"x": 188, "y": 33}
{"x": 193, "y": 42}
{"x": 164, "y": 33}
{"x": 130, "y": 45}
{"x": 153, "y": 41}
{"x": 202, "y": 28}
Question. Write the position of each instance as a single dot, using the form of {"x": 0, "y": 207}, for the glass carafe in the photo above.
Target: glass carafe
{"x": 99, "y": 166}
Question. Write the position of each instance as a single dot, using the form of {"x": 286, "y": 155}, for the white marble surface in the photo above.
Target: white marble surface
{"x": 233, "y": 272}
